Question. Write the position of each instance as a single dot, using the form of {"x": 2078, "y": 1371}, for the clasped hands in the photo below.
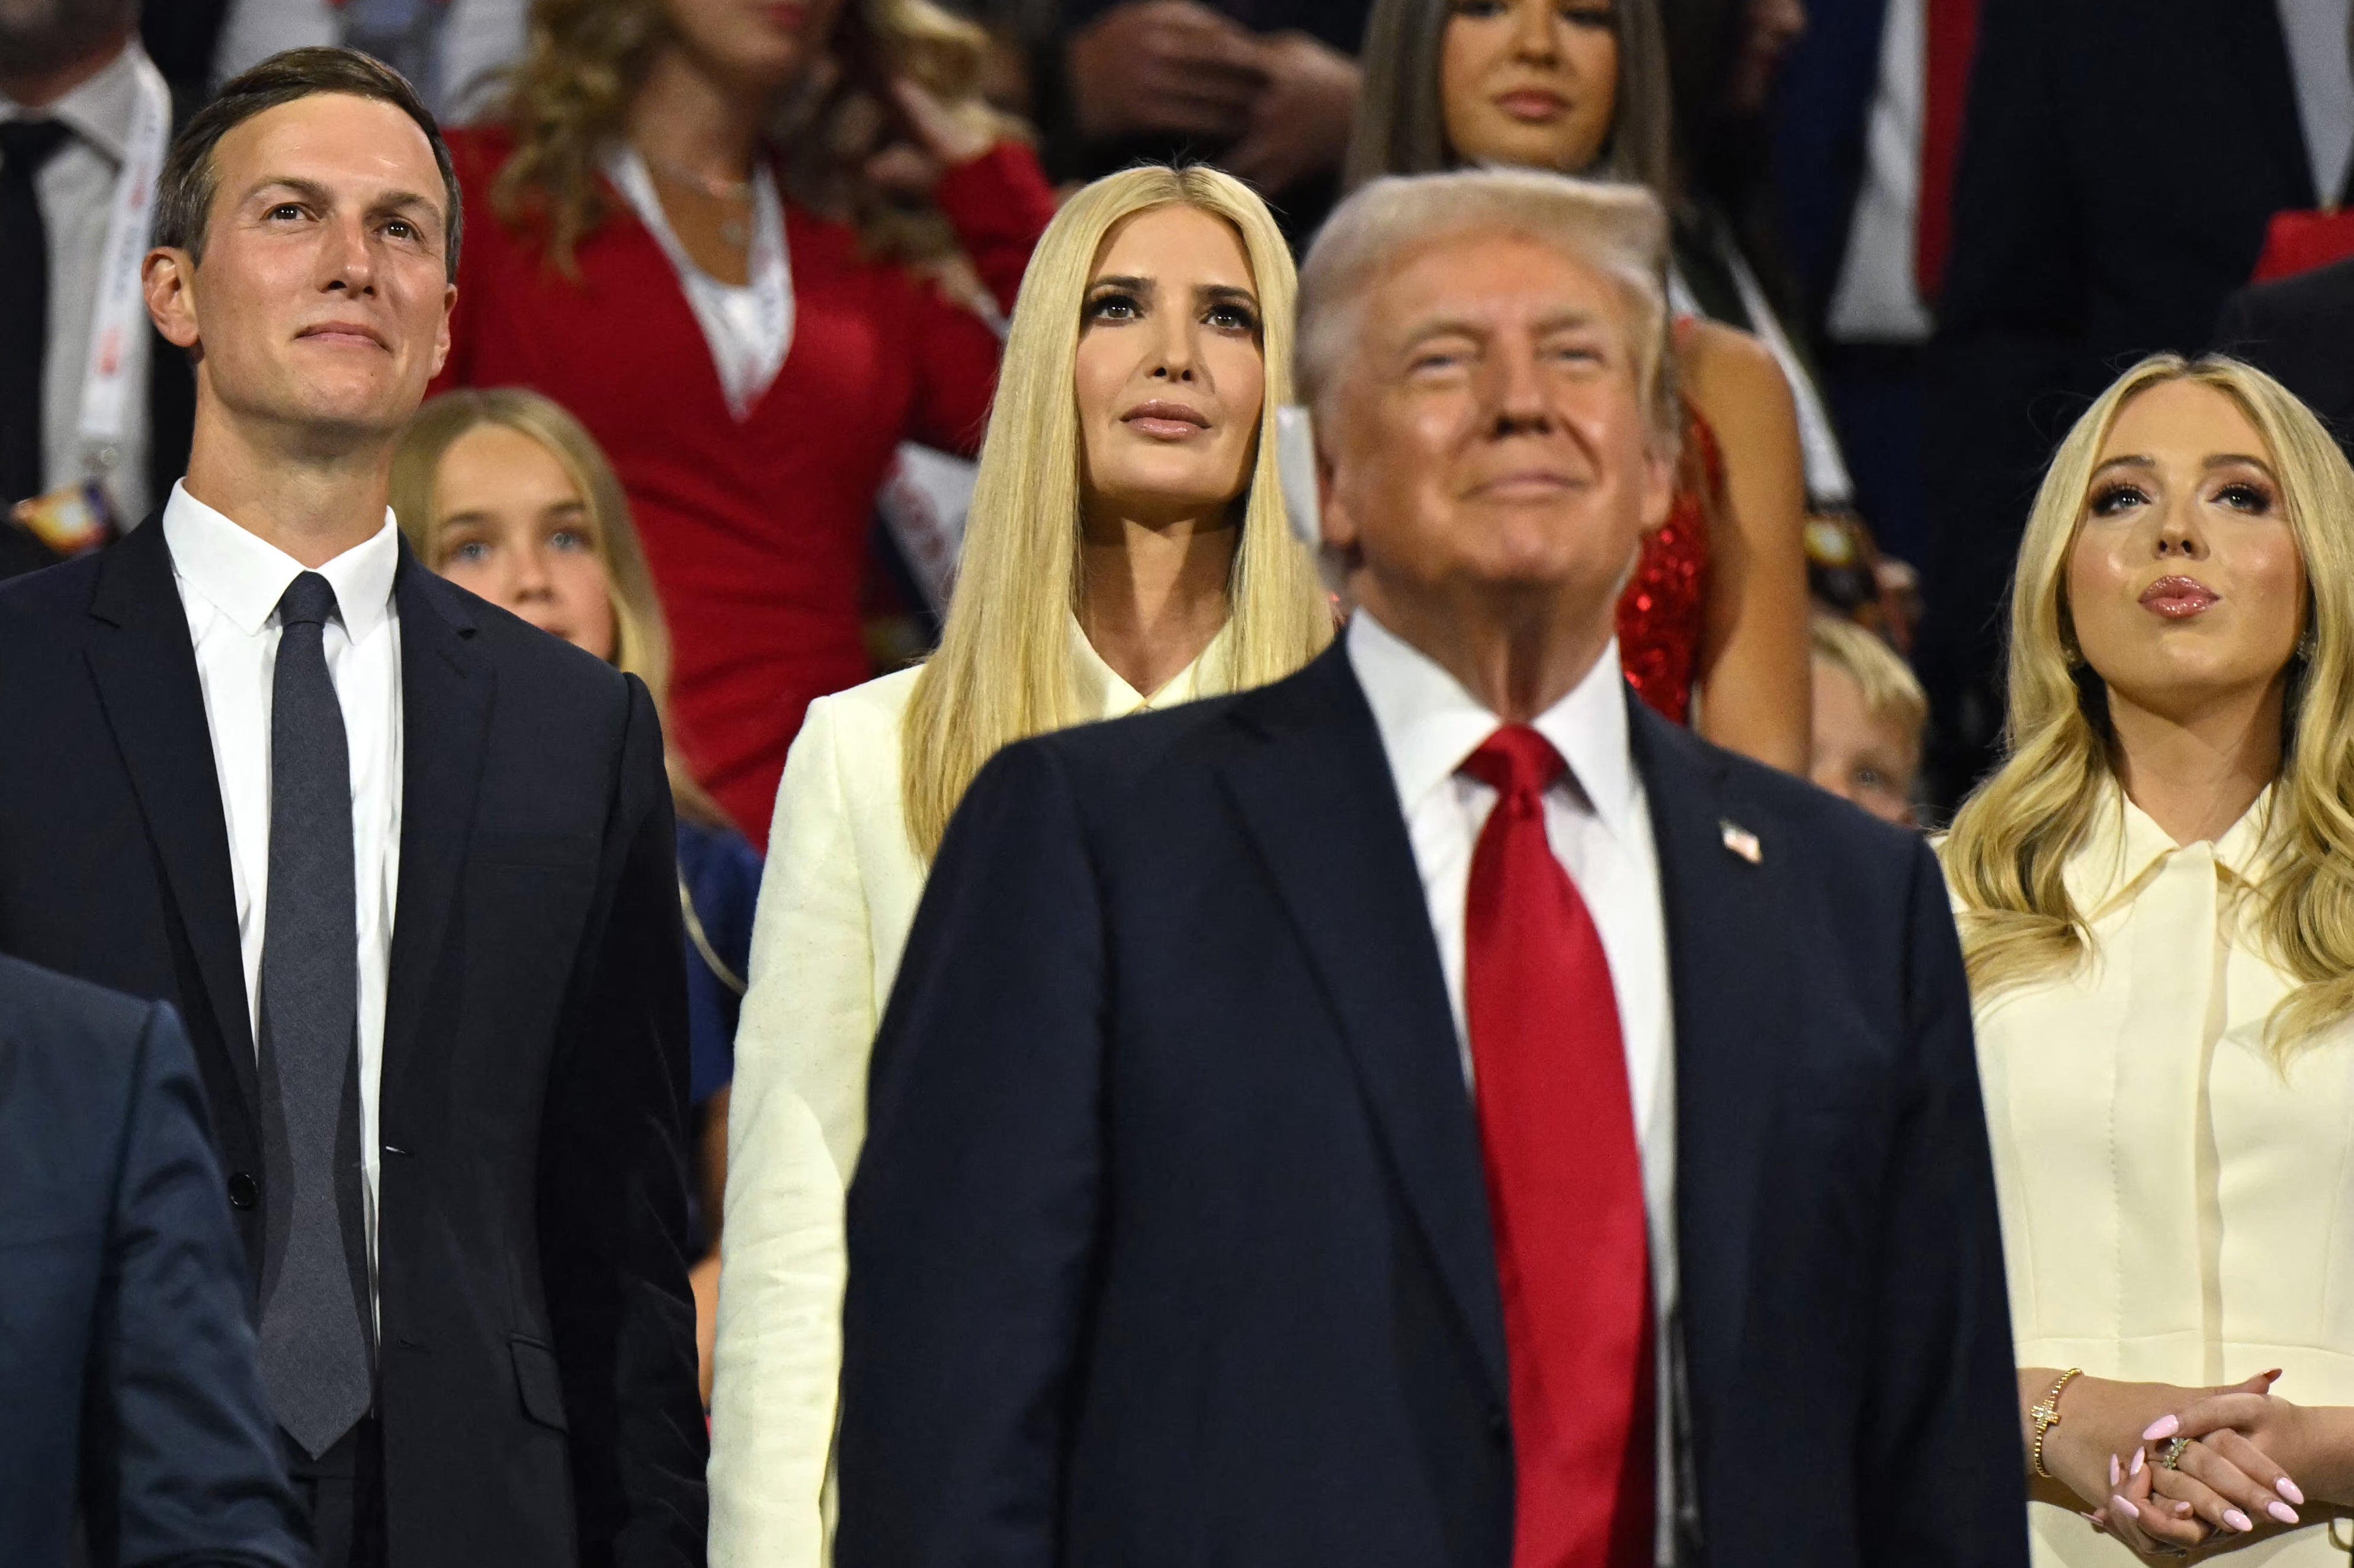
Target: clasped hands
{"x": 2236, "y": 1474}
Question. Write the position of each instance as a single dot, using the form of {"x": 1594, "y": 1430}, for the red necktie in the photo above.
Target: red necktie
{"x": 1953, "y": 41}
{"x": 1565, "y": 1183}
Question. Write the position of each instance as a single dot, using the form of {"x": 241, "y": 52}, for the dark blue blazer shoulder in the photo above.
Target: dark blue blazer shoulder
{"x": 126, "y": 1355}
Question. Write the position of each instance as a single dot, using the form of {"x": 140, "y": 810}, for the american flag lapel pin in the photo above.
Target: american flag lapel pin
{"x": 1742, "y": 842}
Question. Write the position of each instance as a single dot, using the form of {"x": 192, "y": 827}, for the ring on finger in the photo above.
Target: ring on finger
{"x": 2169, "y": 1456}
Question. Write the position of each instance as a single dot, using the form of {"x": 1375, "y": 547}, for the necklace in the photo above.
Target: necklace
{"x": 736, "y": 230}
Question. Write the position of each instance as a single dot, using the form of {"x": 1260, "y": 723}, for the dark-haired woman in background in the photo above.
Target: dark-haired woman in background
{"x": 680, "y": 226}
{"x": 1718, "y": 605}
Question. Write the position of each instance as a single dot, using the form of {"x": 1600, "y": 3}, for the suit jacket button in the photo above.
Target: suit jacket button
{"x": 243, "y": 1193}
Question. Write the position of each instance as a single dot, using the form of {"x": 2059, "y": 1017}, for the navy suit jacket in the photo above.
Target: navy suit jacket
{"x": 1822, "y": 106}
{"x": 1170, "y": 1242}
{"x": 127, "y": 1378}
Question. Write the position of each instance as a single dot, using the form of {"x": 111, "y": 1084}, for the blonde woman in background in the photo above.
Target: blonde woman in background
{"x": 504, "y": 493}
{"x": 1126, "y": 549}
{"x": 2156, "y": 904}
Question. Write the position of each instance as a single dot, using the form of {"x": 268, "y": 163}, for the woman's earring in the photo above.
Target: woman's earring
{"x": 2307, "y": 644}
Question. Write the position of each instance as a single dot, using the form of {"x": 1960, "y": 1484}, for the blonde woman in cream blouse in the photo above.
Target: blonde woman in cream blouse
{"x": 2155, "y": 902}
{"x": 1126, "y": 549}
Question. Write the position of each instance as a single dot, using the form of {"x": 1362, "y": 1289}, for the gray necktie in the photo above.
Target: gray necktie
{"x": 315, "y": 1338}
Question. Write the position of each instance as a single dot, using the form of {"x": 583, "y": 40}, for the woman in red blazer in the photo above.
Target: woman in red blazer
{"x": 693, "y": 225}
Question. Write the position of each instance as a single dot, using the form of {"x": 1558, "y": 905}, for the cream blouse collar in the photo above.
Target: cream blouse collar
{"x": 1103, "y": 693}
{"x": 2124, "y": 848}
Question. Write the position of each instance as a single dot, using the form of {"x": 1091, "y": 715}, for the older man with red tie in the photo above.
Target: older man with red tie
{"x": 1429, "y": 1112}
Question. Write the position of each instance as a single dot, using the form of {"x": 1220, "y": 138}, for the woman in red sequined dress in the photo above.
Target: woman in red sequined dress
{"x": 1712, "y": 628}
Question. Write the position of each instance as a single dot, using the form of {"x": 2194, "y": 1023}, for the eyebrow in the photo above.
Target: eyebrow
{"x": 311, "y": 190}
{"x": 477, "y": 516}
{"x": 2220, "y": 459}
{"x": 1444, "y": 325}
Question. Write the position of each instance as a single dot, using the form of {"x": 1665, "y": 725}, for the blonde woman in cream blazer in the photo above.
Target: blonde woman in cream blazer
{"x": 1134, "y": 555}
{"x": 2162, "y": 957}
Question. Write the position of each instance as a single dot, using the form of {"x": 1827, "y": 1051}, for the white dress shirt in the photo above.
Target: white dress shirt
{"x": 2175, "y": 1201}
{"x": 2321, "y": 63}
{"x": 75, "y": 192}
{"x": 1598, "y": 821}
{"x": 230, "y": 582}
{"x": 1877, "y": 299}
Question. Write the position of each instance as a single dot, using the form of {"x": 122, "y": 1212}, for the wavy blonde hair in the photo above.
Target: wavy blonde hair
{"x": 567, "y": 100}
{"x": 641, "y": 636}
{"x": 2012, "y": 838}
{"x": 1003, "y": 669}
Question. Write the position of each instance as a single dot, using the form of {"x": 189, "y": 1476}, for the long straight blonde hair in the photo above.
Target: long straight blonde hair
{"x": 1003, "y": 669}
{"x": 2009, "y": 846}
{"x": 641, "y": 636}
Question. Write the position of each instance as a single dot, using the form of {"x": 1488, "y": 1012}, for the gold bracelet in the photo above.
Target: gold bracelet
{"x": 2046, "y": 1415}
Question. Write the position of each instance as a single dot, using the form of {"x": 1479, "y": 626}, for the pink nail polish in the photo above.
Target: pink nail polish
{"x": 2135, "y": 1470}
{"x": 2116, "y": 1471}
{"x": 2162, "y": 1428}
{"x": 2282, "y": 1511}
{"x": 2124, "y": 1507}
{"x": 2237, "y": 1520}
{"x": 2183, "y": 1510}
{"x": 2288, "y": 1489}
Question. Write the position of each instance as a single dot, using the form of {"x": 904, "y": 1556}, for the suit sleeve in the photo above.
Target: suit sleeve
{"x": 612, "y": 1192}
{"x": 2011, "y": 329}
{"x": 974, "y": 1215}
{"x": 1944, "y": 1483}
{"x": 181, "y": 1457}
{"x": 794, "y": 1123}
{"x": 2238, "y": 331}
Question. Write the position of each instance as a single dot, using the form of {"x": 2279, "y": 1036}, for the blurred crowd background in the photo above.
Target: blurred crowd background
{"x": 1947, "y": 222}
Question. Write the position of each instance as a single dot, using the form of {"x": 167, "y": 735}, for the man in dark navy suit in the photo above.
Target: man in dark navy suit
{"x": 405, "y": 865}
{"x": 1431, "y": 1111}
{"x": 127, "y": 1385}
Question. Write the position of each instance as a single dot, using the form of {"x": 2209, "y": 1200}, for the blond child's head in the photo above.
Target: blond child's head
{"x": 1869, "y": 712}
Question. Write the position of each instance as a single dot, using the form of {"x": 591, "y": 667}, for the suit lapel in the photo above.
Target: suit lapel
{"x": 446, "y": 691}
{"x": 1734, "y": 1019}
{"x": 145, "y": 668}
{"x": 2267, "y": 85}
{"x": 1319, "y": 803}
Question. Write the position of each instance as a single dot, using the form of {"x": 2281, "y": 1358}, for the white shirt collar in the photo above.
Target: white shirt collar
{"x": 100, "y": 110}
{"x": 1429, "y": 723}
{"x": 243, "y": 576}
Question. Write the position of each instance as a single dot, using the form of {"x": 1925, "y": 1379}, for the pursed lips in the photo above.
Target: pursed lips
{"x": 2179, "y": 598}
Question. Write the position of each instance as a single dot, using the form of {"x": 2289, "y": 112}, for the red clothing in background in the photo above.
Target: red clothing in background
{"x": 756, "y": 532}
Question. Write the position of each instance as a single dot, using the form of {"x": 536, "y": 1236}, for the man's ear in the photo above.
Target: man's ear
{"x": 168, "y": 277}
{"x": 1659, "y": 489}
{"x": 441, "y": 335}
{"x": 1339, "y": 527}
